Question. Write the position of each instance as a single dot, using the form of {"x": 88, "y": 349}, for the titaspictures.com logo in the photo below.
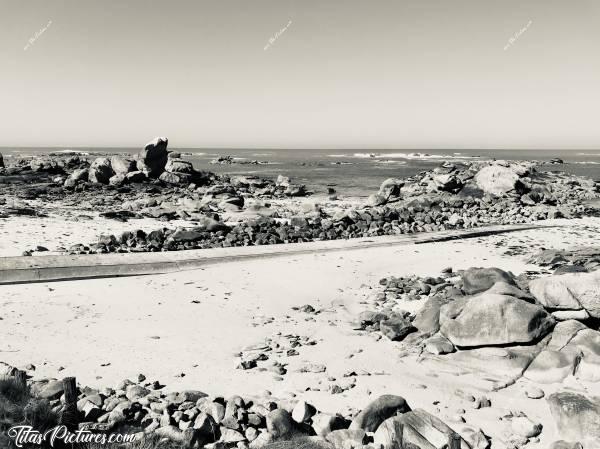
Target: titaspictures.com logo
{"x": 26, "y": 435}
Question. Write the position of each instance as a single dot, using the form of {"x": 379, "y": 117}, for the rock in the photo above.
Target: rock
{"x": 420, "y": 429}
{"x": 136, "y": 392}
{"x": 231, "y": 436}
{"x": 533, "y": 392}
{"x": 571, "y": 291}
{"x": 76, "y": 176}
{"x": 53, "y": 390}
{"x": 179, "y": 166}
{"x": 117, "y": 180}
{"x": 175, "y": 178}
{"x": 122, "y": 165}
{"x": 492, "y": 319}
{"x": 427, "y": 320}
{"x": 376, "y": 200}
{"x": 475, "y": 438}
{"x": 302, "y": 412}
{"x": 346, "y": 438}
{"x": 135, "y": 176}
{"x": 438, "y": 344}
{"x": 396, "y": 328}
{"x": 447, "y": 182}
{"x": 562, "y": 444}
{"x": 1, "y": 161}
{"x": 477, "y": 280}
{"x": 378, "y": 411}
{"x": 100, "y": 171}
{"x": 525, "y": 427}
{"x": 323, "y": 423}
{"x": 390, "y": 188}
{"x": 552, "y": 366}
{"x": 577, "y": 417}
{"x": 279, "y": 423}
{"x": 497, "y": 179}
{"x": 262, "y": 440}
{"x": 153, "y": 158}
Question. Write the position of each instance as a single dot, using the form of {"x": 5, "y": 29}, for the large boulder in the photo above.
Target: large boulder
{"x": 175, "y": 178}
{"x": 153, "y": 158}
{"x": 78, "y": 175}
{"x": 179, "y": 166}
{"x": 419, "y": 428}
{"x": 122, "y": 165}
{"x": 378, "y": 411}
{"x": 390, "y": 188}
{"x": 396, "y": 328}
{"x": 577, "y": 417}
{"x": 500, "y": 178}
{"x": 573, "y": 349}
{"x": 491, "y": 319}
{"x": 477, "y": 280}
{"x": 1, "y": 161}
{"x": 100, "y": 171}
{"x": 570, "y": 291}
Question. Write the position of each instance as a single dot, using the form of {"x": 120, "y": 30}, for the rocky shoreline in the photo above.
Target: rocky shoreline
{"x": 226, "y": 211}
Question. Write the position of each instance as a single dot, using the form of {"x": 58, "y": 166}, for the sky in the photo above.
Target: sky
{"x": 401, "y": 74}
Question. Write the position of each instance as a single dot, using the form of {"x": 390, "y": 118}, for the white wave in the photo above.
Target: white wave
{"x": 392, "y": 162}
{"x": 585, "y": 163}
{"x": 410, "y": 156}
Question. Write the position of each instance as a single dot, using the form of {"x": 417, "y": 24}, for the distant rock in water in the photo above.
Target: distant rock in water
{"x": 1, "y": 161}
{"x": 153, "y": 158}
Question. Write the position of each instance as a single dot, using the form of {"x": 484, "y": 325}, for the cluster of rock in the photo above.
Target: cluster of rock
{"x": 197, "y": 420}
{"x": 158, "y": 184}
{"x": 568, "y": 261}
{"x": 543, "y": 330}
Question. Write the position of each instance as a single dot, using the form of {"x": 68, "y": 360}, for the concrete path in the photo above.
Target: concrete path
{"x": 15, "y": 270}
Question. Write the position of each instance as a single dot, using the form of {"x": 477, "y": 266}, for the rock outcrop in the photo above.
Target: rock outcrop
{"x": 490, "y": 319}
{"x": 153, "y": 158}
{"x": 569, "y": 292}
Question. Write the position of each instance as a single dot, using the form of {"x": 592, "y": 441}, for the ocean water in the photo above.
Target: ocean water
{"x": 352, "y": 173}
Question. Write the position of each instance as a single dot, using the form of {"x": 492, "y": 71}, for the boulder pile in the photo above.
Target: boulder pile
{"x": 541, "y": 330}
{"x": 198, "y": 420}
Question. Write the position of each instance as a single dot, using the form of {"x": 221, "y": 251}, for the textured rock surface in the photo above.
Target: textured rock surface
{"x": 491, "y": 319}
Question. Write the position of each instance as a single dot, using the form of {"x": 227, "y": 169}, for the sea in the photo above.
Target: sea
{"x": 352, "y": 173}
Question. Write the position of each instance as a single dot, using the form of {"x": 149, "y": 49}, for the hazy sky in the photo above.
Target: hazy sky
{"x": 420, "y": 74}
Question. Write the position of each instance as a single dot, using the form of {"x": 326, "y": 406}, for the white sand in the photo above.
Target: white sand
{"x": 83, "y": 325}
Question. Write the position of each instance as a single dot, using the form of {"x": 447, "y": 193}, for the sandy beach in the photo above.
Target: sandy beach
{"x": 185, "y": 329}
